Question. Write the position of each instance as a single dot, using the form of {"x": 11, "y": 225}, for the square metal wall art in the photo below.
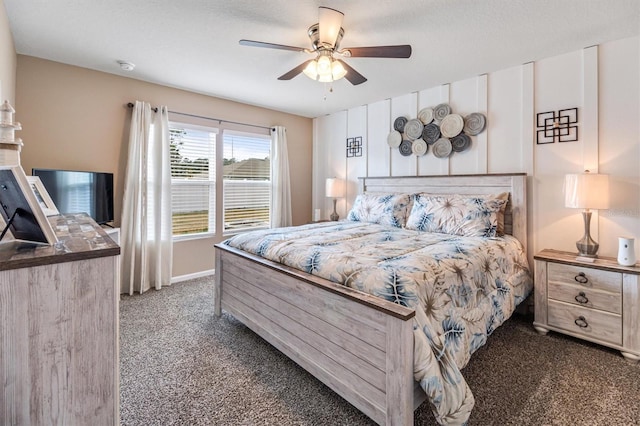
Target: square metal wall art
{"x": 354, "y": 147}
{"x": 560, "y": 126}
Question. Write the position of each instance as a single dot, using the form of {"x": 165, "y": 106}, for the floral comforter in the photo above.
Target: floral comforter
{"x": 462, "y": 288}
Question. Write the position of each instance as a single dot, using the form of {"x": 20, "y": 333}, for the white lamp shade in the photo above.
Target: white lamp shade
{"x": 586, "y": 191}
{"x": 334, "y": 188}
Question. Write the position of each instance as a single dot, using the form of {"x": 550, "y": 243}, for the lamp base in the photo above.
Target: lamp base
{"x": 334, "y": 216}
{"x": 587, "y": 247}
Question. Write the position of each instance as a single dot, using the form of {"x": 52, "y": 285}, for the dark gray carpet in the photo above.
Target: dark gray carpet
{"x": 182, "y": 366}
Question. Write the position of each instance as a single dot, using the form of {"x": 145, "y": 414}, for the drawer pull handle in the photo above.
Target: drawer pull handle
{"x": 581, "y": 278}
{"x": 582, "y": 322}
{"x": 582, "y": 298}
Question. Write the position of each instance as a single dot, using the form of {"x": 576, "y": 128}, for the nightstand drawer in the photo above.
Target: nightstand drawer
{"x": 585, "y": 277}
{"x": 586, "y": 297}
{"x": 586, "y": 322}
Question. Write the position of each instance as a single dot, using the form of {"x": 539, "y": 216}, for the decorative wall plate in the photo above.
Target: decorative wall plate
{"x": 442, "y": 148}
{"x": 399, "y": 124}
{"x": 394, "y": 138}
{"x": 431, "y": 133}
{"x": 419, "y": 147}
{"x": 451, "y": 125}
{"x": 440, "y": 112}
{"x": 413, "y": 129}
{"x": 405, "y": 148}
{"x": 460, "y": 142}
{"x": 426, "y": 115}
{"x": 474, "y": 123}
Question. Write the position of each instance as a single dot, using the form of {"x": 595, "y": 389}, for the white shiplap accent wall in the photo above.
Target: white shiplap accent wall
{"x": 378, "y": 125}
{"x": 602, "y": 81}
{"x": 504, "y": 99}
{"x": 464, "y": 99}
{"x": 428, "y": 164}
{"x": 356, "y": 166}
{"x": 619, "y": 140}
{"x": 403, "y": 106}
{"x": 557, "y": 85}
{"x": 336, "y": 160}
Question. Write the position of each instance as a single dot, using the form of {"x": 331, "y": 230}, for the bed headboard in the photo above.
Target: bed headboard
{"x": 515, "y": 220}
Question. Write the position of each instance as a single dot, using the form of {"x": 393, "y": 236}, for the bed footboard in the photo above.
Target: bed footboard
{"x": 357, "y": 344}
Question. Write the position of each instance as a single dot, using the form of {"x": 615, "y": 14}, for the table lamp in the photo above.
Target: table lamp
{"x": 587, "y": 191}
{"x": 334, "y": 189}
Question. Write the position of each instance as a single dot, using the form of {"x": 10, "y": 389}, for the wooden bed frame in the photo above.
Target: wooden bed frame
{"x": 359, "y": 345}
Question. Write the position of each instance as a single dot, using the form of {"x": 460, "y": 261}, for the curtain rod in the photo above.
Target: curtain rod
{"x": 130, "y": 105}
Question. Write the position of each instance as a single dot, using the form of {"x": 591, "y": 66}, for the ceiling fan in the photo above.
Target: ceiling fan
{"x": 325, "y": 37}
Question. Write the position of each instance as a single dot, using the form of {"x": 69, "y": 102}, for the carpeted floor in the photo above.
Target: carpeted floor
{"x": 181, "y": 366}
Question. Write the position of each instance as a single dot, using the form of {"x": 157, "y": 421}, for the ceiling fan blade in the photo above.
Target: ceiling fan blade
{"x": 329, "y": 23}
{"x": 400, "y": 51}
{"x": 352, "y": 75}
{"x": 294, "y": 72}
{"x": 253, "y": 43}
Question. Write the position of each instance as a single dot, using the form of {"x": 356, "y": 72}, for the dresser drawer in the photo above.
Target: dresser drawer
{"x": 596, "y": 324}
{"x": 588, "y": 278}
{"x": 585, "y": 296}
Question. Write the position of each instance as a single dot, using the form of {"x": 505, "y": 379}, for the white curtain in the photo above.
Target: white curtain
{"x": 280, "y": 183}
{"x": 146, "y": 236}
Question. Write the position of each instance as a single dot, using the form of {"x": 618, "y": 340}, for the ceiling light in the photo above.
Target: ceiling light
{"x": 331, "y": 25}
{"x": 126, "y": 66}
{"x": 311, "y": 70}
{"x": 324, "y": 68}
{"x": 324, "y": 65}
{"x": 337, "y": 70}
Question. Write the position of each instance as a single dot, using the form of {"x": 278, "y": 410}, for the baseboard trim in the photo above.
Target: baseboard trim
{"x": 200, "y": 274}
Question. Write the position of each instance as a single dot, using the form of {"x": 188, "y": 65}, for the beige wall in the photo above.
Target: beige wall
{"x": 7, "y": 59}
{"x": 76, "y": 118}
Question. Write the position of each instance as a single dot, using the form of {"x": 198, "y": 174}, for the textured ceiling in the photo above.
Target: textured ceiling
{"x": 193, "y": 44}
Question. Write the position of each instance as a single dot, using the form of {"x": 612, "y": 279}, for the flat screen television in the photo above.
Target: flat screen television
{"x": 80, "y": 192}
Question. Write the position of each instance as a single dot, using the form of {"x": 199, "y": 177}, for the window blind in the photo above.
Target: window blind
{"x": 247, "y": 181}
{"x": 193, "y": 174}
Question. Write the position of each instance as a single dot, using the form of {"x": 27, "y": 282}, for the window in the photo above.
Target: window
{"x": 245, "y": 190}
{"x": 193, "y": 179}
{"x": 247, "y": 181}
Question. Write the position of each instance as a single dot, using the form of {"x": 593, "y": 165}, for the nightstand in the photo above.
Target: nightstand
{"x": 598, "y": 302}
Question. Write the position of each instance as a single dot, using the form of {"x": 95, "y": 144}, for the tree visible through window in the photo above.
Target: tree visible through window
{"x": 193, "y": 179}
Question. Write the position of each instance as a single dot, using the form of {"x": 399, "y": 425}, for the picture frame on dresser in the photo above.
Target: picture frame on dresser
{"x": 20, "y": 210}
{"x": 44, "y": 199}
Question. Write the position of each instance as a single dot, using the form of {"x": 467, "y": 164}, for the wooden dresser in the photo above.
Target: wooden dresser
{"x": 59, "y": 328}
{"x": 598, "y": 301}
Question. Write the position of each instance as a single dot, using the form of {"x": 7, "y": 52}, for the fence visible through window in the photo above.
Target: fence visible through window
{"x": 246, "y": 185}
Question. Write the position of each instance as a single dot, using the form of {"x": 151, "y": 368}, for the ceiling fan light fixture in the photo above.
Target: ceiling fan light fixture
{"x": 324, "y": 69}
{"x": 324, "y": 65}
{"x": 325, "y": 37}
{"x": 337, "y": 70}
{"x": 325, "y": 78}
{"x": 311, "y": 70}
{"x": 330, "y": 24}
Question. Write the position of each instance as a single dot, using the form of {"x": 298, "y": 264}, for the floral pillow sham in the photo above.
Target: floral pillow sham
{"x": 468, "y": 216}
{"x": 501, "y": 196}
{"x": 384, "y": 209}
